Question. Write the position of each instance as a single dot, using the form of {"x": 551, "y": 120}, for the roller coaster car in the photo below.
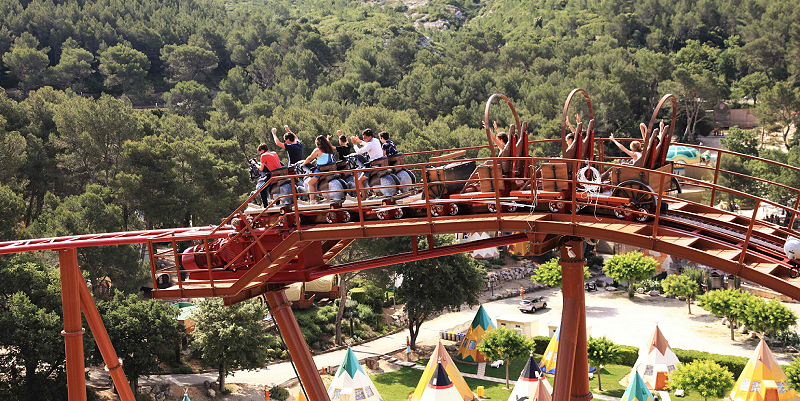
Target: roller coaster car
{"x": 632, "y": 196}
{"x": 281, "y": 187}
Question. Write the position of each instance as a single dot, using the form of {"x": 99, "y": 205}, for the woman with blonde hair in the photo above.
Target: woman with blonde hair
{"x": 635, "y": 152}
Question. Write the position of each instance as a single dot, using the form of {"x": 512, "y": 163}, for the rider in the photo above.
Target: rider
{"x": 292, "y": 145}
{"x": 636, "y": 149}
{"x": 268, "y": 161}
{"x": 343, "y": 149}
{"x": 323, "y": 154}
{"x": 370, "y": 146}
{"x": 388, "y": 147}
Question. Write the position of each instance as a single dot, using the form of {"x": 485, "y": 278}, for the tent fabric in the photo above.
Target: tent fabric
{"x": 440, "y": 357}
{"x": 655, "y": 362}
{"x": 468, "y": 349}
{"x": 322, "y": 284}
{"x": 548, "y": 364}
{"x": 637, "y": 390}
{"x": 762, "y": 379}
{"x": 440, "y": 388}
{"x": 351, "y": 382}
{"x": 293, "y": 292}
{"x": 532, "y": 383}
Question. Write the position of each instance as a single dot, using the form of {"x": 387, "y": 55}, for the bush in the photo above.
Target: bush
{"x": 497, "y": 262}
{"x": 329, "y": 328}
{"x": 734, "y": 364}
{"x": 278, "y": 393}
{"x": 650, "y": 285}
{"x": 365, "y": 313}
{"x": 183, "y": 369}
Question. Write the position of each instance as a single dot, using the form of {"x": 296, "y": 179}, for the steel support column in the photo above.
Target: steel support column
{"x": 73, "y": 332}
{"x": 572, "y": 365}
{"x": 113, "y": 363}
{"x": 298, "y": 349}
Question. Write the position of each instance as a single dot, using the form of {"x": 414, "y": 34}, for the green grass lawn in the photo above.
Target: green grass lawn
{"x": 396, "y": 386}
{"x": 611, "y": 376}
{"x": 462, "y": 367}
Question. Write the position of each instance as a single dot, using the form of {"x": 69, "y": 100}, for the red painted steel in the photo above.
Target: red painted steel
{"x": 73, "y": 332}
{"x": 282, "y": 313}
{"x": 113, "y": 363}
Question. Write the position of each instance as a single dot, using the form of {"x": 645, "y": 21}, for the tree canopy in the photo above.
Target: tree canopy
{"x": 630, "y": 267}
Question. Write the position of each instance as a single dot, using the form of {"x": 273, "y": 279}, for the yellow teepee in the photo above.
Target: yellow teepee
{"x": 440, "y": 356}
{"x": 468, "y": 349}
{"x": 762, "y": 379}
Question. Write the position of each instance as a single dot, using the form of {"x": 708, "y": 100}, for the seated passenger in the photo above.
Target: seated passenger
{"x": 388, "y": 147}
{"x": 343, "y": 149}
{"x": 268, "y": 161}
{"x": 370, "y": 146}
{"x": 323, "y": 154}
{"x": 636, "y": 149}
{"x": 292, "y": 145}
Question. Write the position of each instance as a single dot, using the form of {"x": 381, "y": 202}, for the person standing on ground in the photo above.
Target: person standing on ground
{"x": 292, "y": 145}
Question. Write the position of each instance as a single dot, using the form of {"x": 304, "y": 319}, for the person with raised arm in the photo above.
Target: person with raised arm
{"x": 290, "y": 143}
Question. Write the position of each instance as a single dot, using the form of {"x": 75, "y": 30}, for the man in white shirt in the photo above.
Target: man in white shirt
{"x": 370, "y": 146}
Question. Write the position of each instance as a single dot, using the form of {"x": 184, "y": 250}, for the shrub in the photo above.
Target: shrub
{"x": 184, "y": 369}
{"x": 278, "y": 393}
{"x": 650, "y": 285}
{"x": 734, "y": 364}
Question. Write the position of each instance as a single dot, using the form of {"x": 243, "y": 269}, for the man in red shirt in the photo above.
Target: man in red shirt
{"x": 268, "y": 161}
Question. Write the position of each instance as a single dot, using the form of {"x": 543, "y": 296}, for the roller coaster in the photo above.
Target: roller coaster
{"x": 550, "y": 202}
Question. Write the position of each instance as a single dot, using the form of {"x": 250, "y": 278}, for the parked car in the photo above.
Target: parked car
{"x": 532, "y": 305}
{"x": 590, "y": 286}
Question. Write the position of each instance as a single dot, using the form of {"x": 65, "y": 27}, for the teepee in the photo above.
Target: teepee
{"x": 468, "y": 349}
{"x": 637, "y": 390}
{"x": 762, "y": 379}
{"x": 351, "y": 382}
{"x": 548, "y": 364}
{"x": 440, "y": 357}
{"x": 440, "y": 388}
{"x": 656, "y": 361}
{"x": 532, "y": 383}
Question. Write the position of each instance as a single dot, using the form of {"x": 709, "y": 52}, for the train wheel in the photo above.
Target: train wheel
{"x": 492, "y": 208}
{"x": 619, "y": 212}
{"x": 640, "y": 194}
{"x": 641, "y": 214}
{"x": 398, "y": 213}
{"x": 345, "y": 216}
{"x": 511, "y": 209}
{"x": 330, "y": 217}
{"x": 382, "y": 215}
{"x": 436, "y": 191}
{"x": 437, "y": 210}
{"x": 553, "y": 206}
{"x": 452, "y": 209}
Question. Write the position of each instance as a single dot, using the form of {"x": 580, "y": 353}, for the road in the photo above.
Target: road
{"x": 625, "y": 321}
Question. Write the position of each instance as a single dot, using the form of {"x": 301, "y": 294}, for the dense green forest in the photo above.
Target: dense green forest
{"x": 121, "y": 115}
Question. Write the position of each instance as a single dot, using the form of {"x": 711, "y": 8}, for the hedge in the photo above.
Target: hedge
{"x": 629, "y": 354}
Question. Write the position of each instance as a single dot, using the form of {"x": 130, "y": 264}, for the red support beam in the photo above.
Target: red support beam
{"x": 282, "y": 313}
{"x": 73, "y": 332}
{"x": 572, "y": 365}
{"x": 113, "y": 363}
